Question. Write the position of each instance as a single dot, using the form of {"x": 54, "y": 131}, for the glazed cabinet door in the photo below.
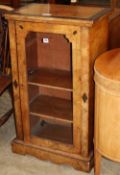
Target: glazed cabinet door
{"x": 49, "y": 78}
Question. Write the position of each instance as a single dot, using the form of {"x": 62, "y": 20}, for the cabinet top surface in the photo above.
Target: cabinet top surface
{"x": 58, "y": 11}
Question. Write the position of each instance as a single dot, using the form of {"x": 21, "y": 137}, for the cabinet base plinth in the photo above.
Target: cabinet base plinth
{"x": 77, "y": 162}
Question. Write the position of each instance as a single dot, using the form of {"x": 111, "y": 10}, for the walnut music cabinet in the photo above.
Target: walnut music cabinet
{"x": 53, "y": 48}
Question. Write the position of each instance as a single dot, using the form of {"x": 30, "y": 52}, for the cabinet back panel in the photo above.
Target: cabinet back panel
{"x": 56, "y": 54}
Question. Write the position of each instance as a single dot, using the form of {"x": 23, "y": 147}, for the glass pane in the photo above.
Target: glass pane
{"x": 49, "y": 69}
{"x": 51, "y": 131}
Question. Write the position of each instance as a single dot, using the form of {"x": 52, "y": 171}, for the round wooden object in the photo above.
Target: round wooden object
{"x": 107, "y": 104}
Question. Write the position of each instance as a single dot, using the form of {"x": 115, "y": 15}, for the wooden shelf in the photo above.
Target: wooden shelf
{"x": 56, "y": 79}
{"x": 52, "y": 108}
{"x": 53, "y": 132}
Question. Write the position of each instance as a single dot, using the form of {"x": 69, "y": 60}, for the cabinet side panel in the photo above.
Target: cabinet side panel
{"x": 114, "y": 40}
{"x": 93, "y": 41}
{"x": 15, "y": 80}
{"x": 98, "y": 44}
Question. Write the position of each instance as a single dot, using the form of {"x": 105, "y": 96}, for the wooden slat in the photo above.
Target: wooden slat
{"x": 51, "y": 78}
{"x": 5, "y": 117}
{"x": 52, "y": 108}
{"x": 54, "y": 132}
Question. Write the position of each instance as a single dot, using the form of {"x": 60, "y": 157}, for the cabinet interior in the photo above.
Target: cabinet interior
{"x": 50, "y": 90}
